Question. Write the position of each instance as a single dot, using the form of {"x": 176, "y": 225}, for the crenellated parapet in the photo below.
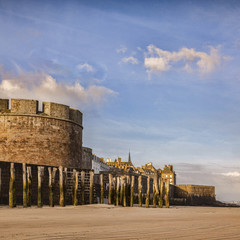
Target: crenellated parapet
{"x": 31, "y": 107}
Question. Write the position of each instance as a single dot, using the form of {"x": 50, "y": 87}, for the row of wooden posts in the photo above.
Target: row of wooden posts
{"x": 27, "y": 186}
{"x": 121, "y": 191}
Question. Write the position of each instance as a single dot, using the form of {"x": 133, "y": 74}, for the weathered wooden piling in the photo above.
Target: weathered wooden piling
{"x": 75, "y": 187}
{"x": 0, "y": 181}
{"x": 124, "y": 191}
{"x": 140, "y": 191}
{"x": 148, "y": 192}
{"x": 65, "y": 183}
{"x": 102, "y": 189}
{"x": 24, "y": 174}
{"x": 40, "y": 179}
{"x": 110, "y": 188}
{"x": 155, "y": 189}
{"x": 121, "y": 190}
{"x": 51, "y": 185}
{"x": 114, "y": 190}
{"x": 29, "y": 187}
{"x": 12, "y": 187}
{"x": 128, "y": 190}
{"x": 117, "y": 191}
{"x": 61, "y": 187}
{"x": 82, "y": 187}
{"x": 91, "y": 186}
{"x": 160, "y": 200}
{"x": 167, "y": 188}
{"x": 132, "y": 191}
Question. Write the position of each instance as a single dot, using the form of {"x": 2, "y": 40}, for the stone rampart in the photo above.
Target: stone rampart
{"x": 195, "y": 194}
{"x": 87, "y": 158}
{"x": 51, "y": 137}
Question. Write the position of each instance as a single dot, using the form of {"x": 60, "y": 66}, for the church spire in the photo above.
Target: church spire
{"x": 129, "y": 157}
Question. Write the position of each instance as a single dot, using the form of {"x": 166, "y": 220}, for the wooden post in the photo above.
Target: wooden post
{"x": 124, "y": 191}
{"x": 61, "y": 187}
{"x": 0, "y": 181}
{"x": 117, "y": 191}
{"x": 29, "y": 186}
{"x": 40, "y": 176}
{"x": 75, "y": 187}
{"x": 114, "y": 191}
{"x": 12, "y": 187}
{"x": 110, "y": 189}
{"x": 82, "y": 187}
{"x": 128, "y": 190}
{"x": 51, "y": 185}
{"x": 65, "y": 181}
{"x": 148, "y": 192}
{"x": 24, "y": 172}
{"x": 102, "y": 189}
{"x": 91, "y": 186}
{"x": 155, "y": 189}
{"x": 132, "y": 191}
{"x": 160, "y": 200}
{"x": 121, "y": 190}
{"x": 140, "y": 191}
{"x": 167, "y": 187}
{"x": 50, "y": 190}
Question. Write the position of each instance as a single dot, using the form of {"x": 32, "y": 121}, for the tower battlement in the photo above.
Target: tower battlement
{"x": 31, "y": 107}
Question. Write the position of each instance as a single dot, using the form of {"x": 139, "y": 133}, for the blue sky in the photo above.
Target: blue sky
{"x": 160, "y": 78}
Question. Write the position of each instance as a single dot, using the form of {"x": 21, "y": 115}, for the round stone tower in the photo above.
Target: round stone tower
{"x": 50, "y": 137}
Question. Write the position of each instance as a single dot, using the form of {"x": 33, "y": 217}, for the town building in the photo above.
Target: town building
{"x": 119, "y": 164}
{"x": 98, "y": 164}
{"x": 168, "y": 173}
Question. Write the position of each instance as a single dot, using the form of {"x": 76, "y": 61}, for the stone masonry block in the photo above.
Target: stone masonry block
{"x": 4, "y": 103}
{"x": 24, "y": 106}
{"x": 56, "y": 110}
{"x": 75, "y": 116}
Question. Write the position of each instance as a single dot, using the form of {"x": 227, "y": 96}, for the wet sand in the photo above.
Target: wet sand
{"x": 109, "y": 222}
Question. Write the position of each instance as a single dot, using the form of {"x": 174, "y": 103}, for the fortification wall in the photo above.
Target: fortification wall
{"x": 87, "y": 158}
{"x": 195, "y": 194}
{"x": 50, "y": 137}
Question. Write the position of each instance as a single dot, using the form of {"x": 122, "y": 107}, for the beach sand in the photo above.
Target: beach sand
{"x": 109, "y": 222}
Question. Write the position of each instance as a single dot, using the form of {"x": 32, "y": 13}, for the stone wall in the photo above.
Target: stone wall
{"x": 87, "y": 158}
{"x": 195, "y": 194}
{"x": 50, "y": 137}
{"x": 5, "y": 178}
{"x": 4, "y": 103}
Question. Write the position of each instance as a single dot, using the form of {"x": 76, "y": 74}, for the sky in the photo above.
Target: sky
{"x": 158, "y": 78}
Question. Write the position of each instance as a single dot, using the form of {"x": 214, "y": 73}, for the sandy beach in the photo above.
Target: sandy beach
{"x": 109, "y": 222}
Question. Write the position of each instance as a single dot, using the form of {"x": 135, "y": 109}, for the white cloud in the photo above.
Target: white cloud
{"x": 121, "y": 50}
{"x": 44, "y": 87}
{"x": 157, "y": 64}
{"x": 87, "y": 67}
{"x": 130, "y": 59}
{"x": 158, "y": 60}
{"x": 231, "y": 174}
